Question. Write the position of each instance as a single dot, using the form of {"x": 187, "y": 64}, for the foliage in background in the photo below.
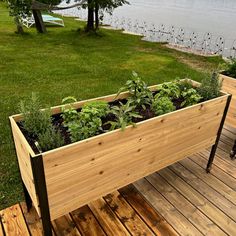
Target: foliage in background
{"x": 23, "y": 8}
{"x": 210, "y": 87}
{"x": 230, "y": 69}
{"x": 96, "y": 9}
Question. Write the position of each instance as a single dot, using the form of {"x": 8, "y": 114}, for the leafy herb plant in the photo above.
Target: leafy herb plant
{"x": 162, "y": 105}
{"x": 36, "y": 121}
{"x": 89, "y": 122}
{"x": 69, "y": 113}
{"x": 171, "y": 90}
{"x": 50, "y": 139}
{"x": 123, "y": 116}
{"x": 210, "y": 87}
{"x": 190, "y": 97}
{"x": 140, "y": 94}
{"x": 38, "y": 124}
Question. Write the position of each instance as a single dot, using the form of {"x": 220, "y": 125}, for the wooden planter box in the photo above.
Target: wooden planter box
{"x": 229, "y": 85}
{"x": 63, "y": 179}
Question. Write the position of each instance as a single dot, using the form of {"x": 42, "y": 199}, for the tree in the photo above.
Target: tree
{"x": 94, "y": 6}
{"x": 23, "y": 8}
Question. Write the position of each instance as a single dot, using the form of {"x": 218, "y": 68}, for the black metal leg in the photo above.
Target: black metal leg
{"x": 214, "y": 147}
{"x": 41, "y": 190}
{"x": 27, "y": 198}
{"x": 233, "y": 151}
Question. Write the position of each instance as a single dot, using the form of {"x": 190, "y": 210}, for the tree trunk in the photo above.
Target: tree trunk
{"x": 19, "y": 27}
{"x": 90, "y": 21}
{"x": 39, "y": 21}
{"x": 96, "y": 16}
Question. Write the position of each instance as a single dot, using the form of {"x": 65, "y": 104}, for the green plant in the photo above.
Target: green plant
{"x": 162, "y": 105}
{"x": 50, "y": 139}
{"x": 36, "y": 121}
{"x": 170, "y": 89}
{"x": 140, "y": 94}
{"x": 231, "y": 69}
{"x": 88, "y": 123}
{"x": 101, "y": 108}
{"x": 190, "y": 97}
{"x": 69, "y": 113}
{"x": 210, "y": 87}
{"x": 123, "y": 116}
{"x": 184, "y": 84}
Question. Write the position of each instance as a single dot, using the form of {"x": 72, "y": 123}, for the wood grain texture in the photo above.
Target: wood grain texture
{"x": 194, "y": 215}
{"x": 32, "y": 219}
{"x": 153, "y": 219}
{"x": 1, "y": 230}
{"x": 178, "y": 200}
{"x": 210, "y": 180}
{"x": 108, "y": 219}
{"x": 24, "y": 153}
{"x": 13, "y": 221}
{"x": 229, "y": 85}
{"x": 127, "y": 215}
{"x": 64, "y": 226}
{"x": 180, "y": 223}
{"x": 74, "y": 174}
{"x": 199, "y": 200}
{"x": 86, "y": 222}
{"x": 218, "y": 172}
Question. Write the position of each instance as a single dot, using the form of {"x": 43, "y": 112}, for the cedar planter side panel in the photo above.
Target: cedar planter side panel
{"x": 24, "y": 154}
{"x": 229, "y": 85}
{"x": 83, "y": 171}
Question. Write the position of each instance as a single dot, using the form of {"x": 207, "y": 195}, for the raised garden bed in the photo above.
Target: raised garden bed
{"x": 229, "y": 85}
{"x": 61, "y": 180}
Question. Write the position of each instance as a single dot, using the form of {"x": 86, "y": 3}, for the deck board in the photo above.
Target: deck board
{"x": 179, "y": 200}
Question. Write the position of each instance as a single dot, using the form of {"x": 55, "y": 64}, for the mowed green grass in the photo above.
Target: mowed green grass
{"x": 65, "y": 62}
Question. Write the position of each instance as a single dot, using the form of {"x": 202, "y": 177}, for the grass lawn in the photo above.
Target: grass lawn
{"x": 67, "y": 62}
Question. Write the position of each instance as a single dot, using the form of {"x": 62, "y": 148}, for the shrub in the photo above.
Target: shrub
{"x": 231, "y": 69}
{"x": 210, "y": 87}
{"x": 162, "y": 105}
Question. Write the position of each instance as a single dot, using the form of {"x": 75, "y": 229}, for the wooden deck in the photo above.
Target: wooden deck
{"x": 179, "y": 200}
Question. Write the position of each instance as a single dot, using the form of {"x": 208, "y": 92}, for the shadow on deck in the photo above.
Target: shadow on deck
{"x": 179, "y": 200}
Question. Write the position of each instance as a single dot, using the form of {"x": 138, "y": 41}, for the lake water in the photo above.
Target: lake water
{"x": 215, "y": 16}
